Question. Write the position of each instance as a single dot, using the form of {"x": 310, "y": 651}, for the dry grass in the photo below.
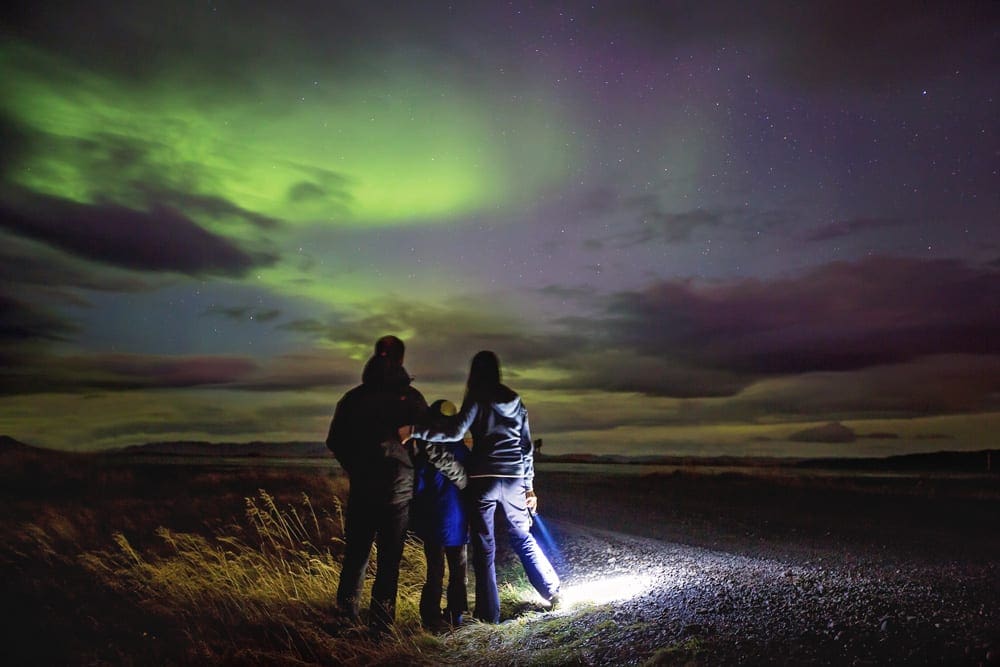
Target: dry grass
{"x": 152, "y": 567}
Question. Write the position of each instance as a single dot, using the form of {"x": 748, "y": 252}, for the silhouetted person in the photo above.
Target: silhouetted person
{"x": 501, "y": 473}
{"x": 439, "y": 518}
{"x": 364, "y": 437}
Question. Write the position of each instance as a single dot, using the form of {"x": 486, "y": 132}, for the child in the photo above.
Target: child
{"x": 438, "y": 517}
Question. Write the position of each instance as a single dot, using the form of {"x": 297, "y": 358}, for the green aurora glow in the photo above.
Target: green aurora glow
{"x": 405, "y": 149}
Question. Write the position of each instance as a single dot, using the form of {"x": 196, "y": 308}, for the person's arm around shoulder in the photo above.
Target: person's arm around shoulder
{"x": 449, "y": 428}
{"x": 439, "y": 457}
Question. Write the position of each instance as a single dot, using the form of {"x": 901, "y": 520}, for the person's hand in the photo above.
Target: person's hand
{"x": 405, "y": 433}
{"x": 531, "y": 500}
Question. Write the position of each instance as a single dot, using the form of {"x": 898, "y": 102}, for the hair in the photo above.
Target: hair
{"x": 484, "y": 376}
{"x": 391, "y": 348}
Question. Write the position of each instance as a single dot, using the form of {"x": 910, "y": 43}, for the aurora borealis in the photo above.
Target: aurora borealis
{"x": 686, "y": 228}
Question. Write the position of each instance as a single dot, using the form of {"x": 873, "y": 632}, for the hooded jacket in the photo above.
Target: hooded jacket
{"x": 501, "y": 437}
{"x": 363, "y": 435}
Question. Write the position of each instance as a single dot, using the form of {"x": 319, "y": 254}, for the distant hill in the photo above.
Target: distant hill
{"x": 976, "y": 461}
{"x": 10, "y": 445}
{"x": 229, "y": 449}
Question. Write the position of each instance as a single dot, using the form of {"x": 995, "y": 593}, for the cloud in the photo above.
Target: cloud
{"x": 831, "y": 432}
{"x": 941, "y": 384}
{"x": 879, "y": 435}
{"x": 649, "y": 220}
{"x": 21, "y": 321}
{"x": 35, "y": 371}
{"x": 842, "y": 228}
{"x": 34, "y": 265}
{"x": 840, "y": 316}
{"x": 244, "y": 313}
{"x": 161, "y": 239}
{"x": 304, "y": 370}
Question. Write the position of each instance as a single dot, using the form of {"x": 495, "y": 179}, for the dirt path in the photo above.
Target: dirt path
{"x": 764, "y": 585}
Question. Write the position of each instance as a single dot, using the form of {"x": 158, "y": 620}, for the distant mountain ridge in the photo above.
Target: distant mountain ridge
{"x": 973, "y": 461}
{"x": 295, "y": 449}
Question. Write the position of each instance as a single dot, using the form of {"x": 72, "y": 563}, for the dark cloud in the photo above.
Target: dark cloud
{"x": 216, "y": 426}
{"x": 843, "y": 228}
{"x": 24, "y": 322}
{"x": 677, "y": 227}
{"x": 128, "y": 170}
{"x": 306, "y": 191}
{"x": 28, "y": 263}
{"x": 652, "y": 222}
{"x": 161, "y": 239}
{"x": 325, "y": 186}
{"x": 943, "y": 384}
{"x": 308, "y": 326}
{"x": 839, "y": 316}
{"x": 215, "y": 208}
{"x": 244, "y": 313}
{"x": 155, "y": 371}
{"x": 304, "y": 370}
{"x": 625, "y": 371}
{"x": 37, "y": 371}
{"x": 832, "y": 432}
{"x": 443, "y": 339}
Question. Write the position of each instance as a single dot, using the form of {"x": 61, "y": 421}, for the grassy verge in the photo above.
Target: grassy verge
{"x": 164, "y": 566}
{"x": 177, "y": 565}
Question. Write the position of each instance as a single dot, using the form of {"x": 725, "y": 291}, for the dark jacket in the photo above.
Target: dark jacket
{"x": 438, "y": 515}
{"x": 363, "y": 435}
{"x": 501, "y": 438}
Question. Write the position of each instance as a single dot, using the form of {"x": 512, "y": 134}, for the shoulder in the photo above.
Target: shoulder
{"x": 505, "y": 394}
{"x": 353, "y": 394}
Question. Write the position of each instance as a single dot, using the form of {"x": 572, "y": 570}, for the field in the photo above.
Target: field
{"x": 112, "y": 562}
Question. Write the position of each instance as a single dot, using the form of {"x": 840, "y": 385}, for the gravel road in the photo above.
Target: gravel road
{"x": 746, "y": 571}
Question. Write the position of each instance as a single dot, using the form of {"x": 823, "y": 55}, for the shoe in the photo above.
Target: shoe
{"x": 555, "y": 601}
{"x": 436, "y": 625}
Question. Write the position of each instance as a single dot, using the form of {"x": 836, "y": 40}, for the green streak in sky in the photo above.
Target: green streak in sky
{"x": 402, "y": 149}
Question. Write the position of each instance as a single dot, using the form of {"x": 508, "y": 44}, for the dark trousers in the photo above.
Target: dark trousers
{"x": 485, "y": 495}
{"x": 372, "y": 520}
{"x": 458, "y": 595}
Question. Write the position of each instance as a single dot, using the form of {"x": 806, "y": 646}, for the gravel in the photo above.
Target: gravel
{"x": 737, "y": 576}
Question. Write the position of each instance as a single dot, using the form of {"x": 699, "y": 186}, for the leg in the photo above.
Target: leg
{"x": 359, "y": 534}
{"x": 540, "y": 572}
{"x": 389, "y": 546}
{"x": 458, "y": 594}
{"x": 483, "y": 501}
{"x": 430, "y": 595}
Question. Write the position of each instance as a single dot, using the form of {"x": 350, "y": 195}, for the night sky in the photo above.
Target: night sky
{"x": 686, "y": 228}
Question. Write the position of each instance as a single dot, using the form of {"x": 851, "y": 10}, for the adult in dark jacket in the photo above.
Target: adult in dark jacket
{"x": 363, "y": 436}
{"x": 501, "y": 474}
{"x": 439, "y": 518}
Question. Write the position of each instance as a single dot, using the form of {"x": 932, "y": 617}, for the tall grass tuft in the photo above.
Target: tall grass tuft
{"x": 261, "y": 592}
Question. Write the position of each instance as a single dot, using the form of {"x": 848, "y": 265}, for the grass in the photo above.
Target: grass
{"x": 174, "y": 565}
{"x": 167, "y": 566}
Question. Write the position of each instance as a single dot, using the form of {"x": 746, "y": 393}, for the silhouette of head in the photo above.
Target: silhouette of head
{"x": 484, "y": 374}
{"x": 391, "y": 348}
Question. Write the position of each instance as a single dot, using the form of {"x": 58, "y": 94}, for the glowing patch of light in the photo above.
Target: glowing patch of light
{"x": 609, "y": 589}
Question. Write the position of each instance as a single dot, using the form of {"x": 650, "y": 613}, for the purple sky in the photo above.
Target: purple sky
{"x": 685, "y": 227}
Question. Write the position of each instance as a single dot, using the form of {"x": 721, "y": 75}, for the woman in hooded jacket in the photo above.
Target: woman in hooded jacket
{"x": 501, "y": 473}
